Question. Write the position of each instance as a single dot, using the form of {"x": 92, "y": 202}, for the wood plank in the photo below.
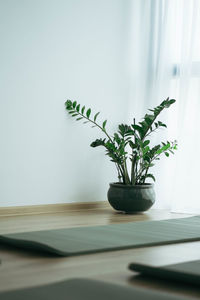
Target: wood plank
{"x": 24, "y": 269}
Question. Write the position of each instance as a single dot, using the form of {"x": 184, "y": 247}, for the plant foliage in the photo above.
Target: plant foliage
{"x": 129, "y": 142}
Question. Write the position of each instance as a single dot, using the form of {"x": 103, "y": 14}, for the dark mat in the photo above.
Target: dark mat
{"x": 85, "y": 289}
{"x": 83, "y": 240}
{"x": 188, "y": 272}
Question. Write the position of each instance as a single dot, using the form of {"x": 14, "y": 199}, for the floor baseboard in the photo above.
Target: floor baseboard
{"x": 51, "y": 208}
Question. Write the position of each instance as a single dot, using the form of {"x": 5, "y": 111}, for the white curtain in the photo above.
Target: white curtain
{"x": 165, "y": 61}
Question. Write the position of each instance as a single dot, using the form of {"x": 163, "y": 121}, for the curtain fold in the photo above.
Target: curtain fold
{"x": 166, "y": 62}
{"x": 186, "y": 174}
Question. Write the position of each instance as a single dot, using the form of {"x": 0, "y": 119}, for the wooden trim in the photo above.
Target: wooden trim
{"x": 51, "y": 208}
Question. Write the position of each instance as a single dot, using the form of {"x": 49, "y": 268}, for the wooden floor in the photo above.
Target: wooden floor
{"x": 24, "y": 269}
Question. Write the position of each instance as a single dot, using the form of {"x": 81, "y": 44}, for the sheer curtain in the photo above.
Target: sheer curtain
{"x": 187, "y": 80}
{"x": 165, "y": 61}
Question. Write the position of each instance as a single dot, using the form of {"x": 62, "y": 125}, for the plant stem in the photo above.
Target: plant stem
{"x": 119, "y": 169}
{"x": 127, "y": 179}
{"x": 133, "y": 169}
{"x": 145, "y": 175}
{"x": 97, "y": 126}
{"x": 134, "y": 160}
{"x": 140, "y": 173}
{"x": 120, "y": 172}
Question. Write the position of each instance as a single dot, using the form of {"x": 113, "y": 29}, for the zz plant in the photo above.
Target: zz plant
{"x": 129, "y": 143}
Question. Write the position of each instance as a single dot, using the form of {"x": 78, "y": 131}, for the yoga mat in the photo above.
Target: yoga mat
{"x": 83, "y": 240}
{"x": 85, "y": 289}
{"x": 188, "y": 272}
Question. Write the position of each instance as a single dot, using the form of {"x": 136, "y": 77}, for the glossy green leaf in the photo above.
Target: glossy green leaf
{"x": 82, "y": 110}
{"x": 145, "y": 150}
{"x": 132, "y": 145}
{"x": 98, "y": 142}
{"x": 104, "y": 124}
{"x": 68, "y": 104}
{"x": 146, "y": 143}
{"x": 78, "y": 108}
{"x": 95, "y": 117}
{"x": 151, "y": 176}
{"x": 74, "y": 104}
{"x": 162, "y": 124}
{"x": 88, "y": 112}
{"x": 151, "y": 165}
{"x": 162, "y": 149}
{"x": 72, "y": 112}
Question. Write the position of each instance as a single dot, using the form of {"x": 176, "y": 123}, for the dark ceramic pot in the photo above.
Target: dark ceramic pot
{"x": 131, "y": 198}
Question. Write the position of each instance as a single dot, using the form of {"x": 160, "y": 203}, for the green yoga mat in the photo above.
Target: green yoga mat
{"x": 83, "y": 240}
{"x": 187, "y": 272}
{"x": 85, "y": 289}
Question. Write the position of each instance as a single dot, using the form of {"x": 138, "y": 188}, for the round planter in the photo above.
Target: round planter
{"x": 131, "y": 198}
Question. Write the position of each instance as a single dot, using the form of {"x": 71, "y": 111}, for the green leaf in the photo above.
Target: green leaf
{"x": 162, "y": 124}
{"x": 147, "y": 158}
{"x": 172, "y": 101}
{"x": 95, "y": 117}
{"x": 166, "y": 103}
{"x": 117, "y": 138}
{"x": 175, "y": 147}
{"x": 123, "y": 129}
{"x": 88, "y": 112}
{"x": 148, "y": 119}
{"x": 144, "y": 125}
{"x": 151, "y": 165}
{"x": 104, "y": 124}
{"x": 151, "y": 176}
{"x": 146, "y": 143}
{"x": 164, "y": 148}
{"x": 68, "y": 104}
{"x": 139, "y": 129}
{"x": 82, "y": 110}
{"x": 74, "y": 115}
{"x": 167, "y": 154}
{"x": 136, "y": 127}
{"x": 145, "y": 150}
{"x": 74, "y": 104}
{"x": 159, "y": 151}
{"x": 72, "y": 112}
{"x": 78, "y": 108}
{"x": 132, "y": 145}
{"x": 79, "y": 119}
{"x": 98, "y": 142}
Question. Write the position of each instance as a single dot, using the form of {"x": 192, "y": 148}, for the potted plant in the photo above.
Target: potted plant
{"x": 129, "y": 149}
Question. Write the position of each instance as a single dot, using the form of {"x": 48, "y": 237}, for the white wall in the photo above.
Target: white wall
{"x": 52, "y": 50}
